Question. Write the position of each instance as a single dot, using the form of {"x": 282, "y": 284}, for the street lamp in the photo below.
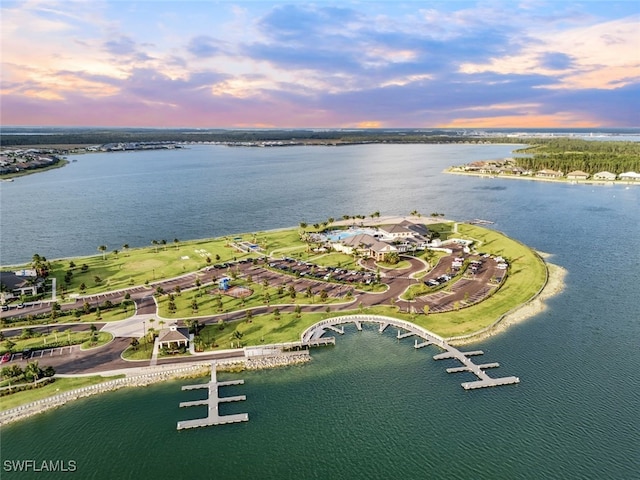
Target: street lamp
{"x": 144, "y": 335}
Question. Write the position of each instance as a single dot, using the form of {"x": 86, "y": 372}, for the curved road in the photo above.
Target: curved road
{"x": 108, "y": 357}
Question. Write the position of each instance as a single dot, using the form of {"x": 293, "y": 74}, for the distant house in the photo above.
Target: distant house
{"x": 630, "y": 176}
{"x": 577, "y": 175}
{"x": 605, "y": 176}
{"x": 548, "y": 174}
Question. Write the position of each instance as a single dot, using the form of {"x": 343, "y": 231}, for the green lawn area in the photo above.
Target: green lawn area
{"x": 56, "y": 339}
{"x": 211, "y": 301}
{"x": 398, "y": 266}
{"x": 527, "y": 274}
{"x": 136, "y": 266}
{"x": 335, "y": 259}
{"x": 102, "y": 338}
{"x": 142, "y": 352}
{"x": 445, "y": 229}
{"x": 59, "y": 386}
{"x": 263, "y": 329}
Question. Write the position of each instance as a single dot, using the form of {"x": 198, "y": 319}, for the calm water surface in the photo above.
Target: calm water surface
{"x": 370, "y": 407}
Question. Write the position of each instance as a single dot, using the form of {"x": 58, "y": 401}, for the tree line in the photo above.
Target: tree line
{"x": 568, "y": 154}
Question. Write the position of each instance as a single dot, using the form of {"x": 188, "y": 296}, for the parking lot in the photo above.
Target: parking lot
{"x": 40, "y": 354}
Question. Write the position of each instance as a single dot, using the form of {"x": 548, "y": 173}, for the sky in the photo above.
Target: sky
{"x": 346, "y": 64}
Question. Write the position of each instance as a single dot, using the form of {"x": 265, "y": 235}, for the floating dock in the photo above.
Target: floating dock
{"x": 213, "y": 401}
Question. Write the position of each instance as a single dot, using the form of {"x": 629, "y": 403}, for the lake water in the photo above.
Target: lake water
{"x": 370, "y": 407}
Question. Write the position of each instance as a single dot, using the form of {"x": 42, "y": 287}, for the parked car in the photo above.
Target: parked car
{"x": 5, "y": 358}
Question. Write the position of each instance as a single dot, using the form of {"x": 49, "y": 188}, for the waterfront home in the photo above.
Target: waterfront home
{"x": 577, "y": 175}
{"x": 605, "y": 176}
{"x": 630, "y": 176}
{"x": 549, "y": 174}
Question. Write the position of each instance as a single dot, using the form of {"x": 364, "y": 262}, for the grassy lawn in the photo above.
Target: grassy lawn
{"x": 102, "y": 338}
{"x": 210, "y": 301}
{"x": 56, "y": 339}
{"x": 398, "y": 266}
{"x": 335, "y": 259}
{"x": 444, "y": 229}
{"x": 263, "y": 329}
{"x": 140, "y": 265}
{"x": 136, "y": 266}
{"x": 59, "y": 386}
{"x": 142, "y": 352}
{"x": 527, "y": 274}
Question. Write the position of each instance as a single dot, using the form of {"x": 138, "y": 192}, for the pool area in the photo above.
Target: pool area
{"x": 339, "y": 235}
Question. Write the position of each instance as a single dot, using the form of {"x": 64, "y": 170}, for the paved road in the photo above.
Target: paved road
{"x": 397, "y": 280}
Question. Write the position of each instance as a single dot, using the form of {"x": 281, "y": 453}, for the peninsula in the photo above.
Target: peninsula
{"x": 239, "y": 298}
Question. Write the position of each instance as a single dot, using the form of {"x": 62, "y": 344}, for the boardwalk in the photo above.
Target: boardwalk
{"x": 315, "y": 333}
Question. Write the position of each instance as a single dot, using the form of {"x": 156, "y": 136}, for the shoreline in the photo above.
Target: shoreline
{"x": 555, "y": 285}
{"x": 544, "y": 179}
{"x": 150, "y": 375}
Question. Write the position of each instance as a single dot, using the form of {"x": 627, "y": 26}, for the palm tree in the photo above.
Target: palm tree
{"x": 32, "y": 370}
{"x": 303, "y": 225}
{"x": 103, "y": 248}
{"x": 164, "y": 244}
{"x": 176, "y": 242}
{"x": 155, "y": 244}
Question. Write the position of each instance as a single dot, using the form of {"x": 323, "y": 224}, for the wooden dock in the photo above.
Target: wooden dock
{"x": 213, "y": 401}
{"x": 468, "y": 369}
{"x": 336, "y": 329}
{"x": 404, "y": 335}
{"x": 490, "y": 382}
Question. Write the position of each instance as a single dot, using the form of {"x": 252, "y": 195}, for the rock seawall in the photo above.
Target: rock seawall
{"x": 198, "y": 369}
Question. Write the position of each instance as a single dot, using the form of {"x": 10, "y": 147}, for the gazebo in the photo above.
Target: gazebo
{"x": 173, "y": 338}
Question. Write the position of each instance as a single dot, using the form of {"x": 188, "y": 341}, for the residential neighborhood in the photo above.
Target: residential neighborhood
{"x": 508, "y": 168}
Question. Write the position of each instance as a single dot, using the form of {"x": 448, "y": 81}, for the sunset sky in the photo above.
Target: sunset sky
{"x": 325, "y": 64}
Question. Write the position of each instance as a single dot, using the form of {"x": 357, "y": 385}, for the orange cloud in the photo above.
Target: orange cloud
{"x": 560, "y": 120}
{"x": 369, "y": 124}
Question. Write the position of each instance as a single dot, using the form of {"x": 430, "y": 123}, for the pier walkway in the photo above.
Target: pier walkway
{"x": 213, "y": 401}
{"x": 315, "y": 334}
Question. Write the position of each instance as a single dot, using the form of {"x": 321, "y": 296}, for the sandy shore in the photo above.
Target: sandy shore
{"x": 555, "y": 284}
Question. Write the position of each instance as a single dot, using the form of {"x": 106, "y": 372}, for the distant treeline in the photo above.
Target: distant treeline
{"x": 101, "y": 137}
{"x": 569, "y": 154}
{"x": 557, "y": 153}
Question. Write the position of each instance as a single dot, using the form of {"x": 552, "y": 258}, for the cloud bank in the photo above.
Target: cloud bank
{"x": 223, "y": 64}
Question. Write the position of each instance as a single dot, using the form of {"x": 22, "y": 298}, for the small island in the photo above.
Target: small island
{"x": 247, "y": 299}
